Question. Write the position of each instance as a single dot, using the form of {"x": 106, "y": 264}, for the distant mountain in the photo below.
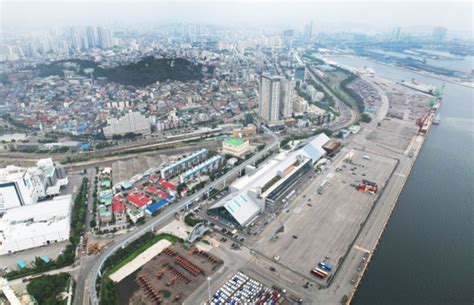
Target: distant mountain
{"x": 142, "y": 73}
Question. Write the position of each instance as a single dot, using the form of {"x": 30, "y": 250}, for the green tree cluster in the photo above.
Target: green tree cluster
{"x": 47, "y": 289}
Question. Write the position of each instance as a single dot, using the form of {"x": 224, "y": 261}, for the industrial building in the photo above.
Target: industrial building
{"x": 236, "y": 147}
{"x": 132, "y": 122}
{"x": 206, "y": 166}
{"x": 21, "y": 186}
{"x": 184, "y": 164}
{"x": 35, "y": 225}
{"x": 260, "y": 189}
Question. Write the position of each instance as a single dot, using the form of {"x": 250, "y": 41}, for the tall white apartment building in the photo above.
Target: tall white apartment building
{"x": 286, "y": 103}
{"x": 269, "y": 100}
{"x": 275, "y": 102}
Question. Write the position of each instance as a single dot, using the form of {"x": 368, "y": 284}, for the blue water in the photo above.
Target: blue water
{"x": 426, "y": 255}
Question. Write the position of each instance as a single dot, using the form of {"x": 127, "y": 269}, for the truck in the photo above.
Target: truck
{"x": 317, "y": 273}
{"x": 325, "y": 266}
{"x": 364, "y": 181}
{"x": 322, "y": 271}
{"x": 367, "y": 188}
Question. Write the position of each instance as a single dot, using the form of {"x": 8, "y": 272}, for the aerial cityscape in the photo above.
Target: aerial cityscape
{"x": 236, "y": 152}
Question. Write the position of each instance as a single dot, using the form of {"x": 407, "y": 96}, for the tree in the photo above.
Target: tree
{"x": 365, "y": 117}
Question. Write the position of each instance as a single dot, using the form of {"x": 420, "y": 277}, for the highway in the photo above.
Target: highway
{"x": 90, "y": 283}
{"x": 348, "y": 115}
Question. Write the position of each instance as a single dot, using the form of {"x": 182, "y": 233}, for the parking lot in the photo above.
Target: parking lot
{"x": 324, "y": 221}
{"x": 242, "y": 289}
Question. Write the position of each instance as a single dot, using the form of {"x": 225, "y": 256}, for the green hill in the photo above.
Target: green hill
{"x": 142, "y": 73}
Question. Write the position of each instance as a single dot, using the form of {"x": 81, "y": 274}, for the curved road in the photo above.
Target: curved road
{"x": 149, "y": 226}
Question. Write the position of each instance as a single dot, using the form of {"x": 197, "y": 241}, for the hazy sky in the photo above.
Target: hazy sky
{"x": 378, "y": 16}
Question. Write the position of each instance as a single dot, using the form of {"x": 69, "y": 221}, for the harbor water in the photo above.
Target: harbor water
{"x": 425, "y": 255}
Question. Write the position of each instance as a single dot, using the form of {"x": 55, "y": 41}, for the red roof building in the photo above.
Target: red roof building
{"x": 117, "y": 205}
{"x": 168, "y": 185}
{"x": 152, "y": 189}
{"x": 162, "y": 194}
{"x": 139, "y": 200}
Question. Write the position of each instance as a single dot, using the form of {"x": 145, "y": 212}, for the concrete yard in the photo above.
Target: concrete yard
{"x": 395, "y": 134}
{"x": 326, "y": 225}
{"x": 124, "y": 170}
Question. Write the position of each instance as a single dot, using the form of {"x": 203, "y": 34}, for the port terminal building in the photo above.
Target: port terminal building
{"x": 258, "y": 190}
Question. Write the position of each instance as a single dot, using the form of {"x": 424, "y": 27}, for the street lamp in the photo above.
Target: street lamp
{"x": 209, "y": 287}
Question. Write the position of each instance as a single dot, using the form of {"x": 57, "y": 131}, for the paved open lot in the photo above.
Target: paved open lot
{"x": 325, "y": 225}
{"x": 29, "y": 255}
{"x": 394, "y": 133}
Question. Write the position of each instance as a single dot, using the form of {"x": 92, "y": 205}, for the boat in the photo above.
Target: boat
{"x": 436, "y": 120}
{"x": 415, "y": 85}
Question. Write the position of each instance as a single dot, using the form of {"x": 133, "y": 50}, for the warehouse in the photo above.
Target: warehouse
{"x": 35, "y": 225}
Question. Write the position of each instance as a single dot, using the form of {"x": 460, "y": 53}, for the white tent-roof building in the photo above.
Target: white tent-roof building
{"x": 251, "y": 194}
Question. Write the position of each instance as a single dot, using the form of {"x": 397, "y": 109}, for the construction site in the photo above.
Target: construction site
{"x": 169, "y": 277}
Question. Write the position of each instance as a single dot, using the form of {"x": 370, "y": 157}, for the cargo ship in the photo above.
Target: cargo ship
{"x": 413, "y": 84}
{"x": 436, "y": 120}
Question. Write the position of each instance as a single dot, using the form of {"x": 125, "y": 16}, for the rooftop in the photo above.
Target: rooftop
{"x": 22, "y": 227}
{"x": 235, "y": 141}
{"x": 138, "y": 199}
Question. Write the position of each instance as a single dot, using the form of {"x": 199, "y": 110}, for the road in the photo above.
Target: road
{"x": 124, "y": 240}
{"x": 348, "y": 115}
